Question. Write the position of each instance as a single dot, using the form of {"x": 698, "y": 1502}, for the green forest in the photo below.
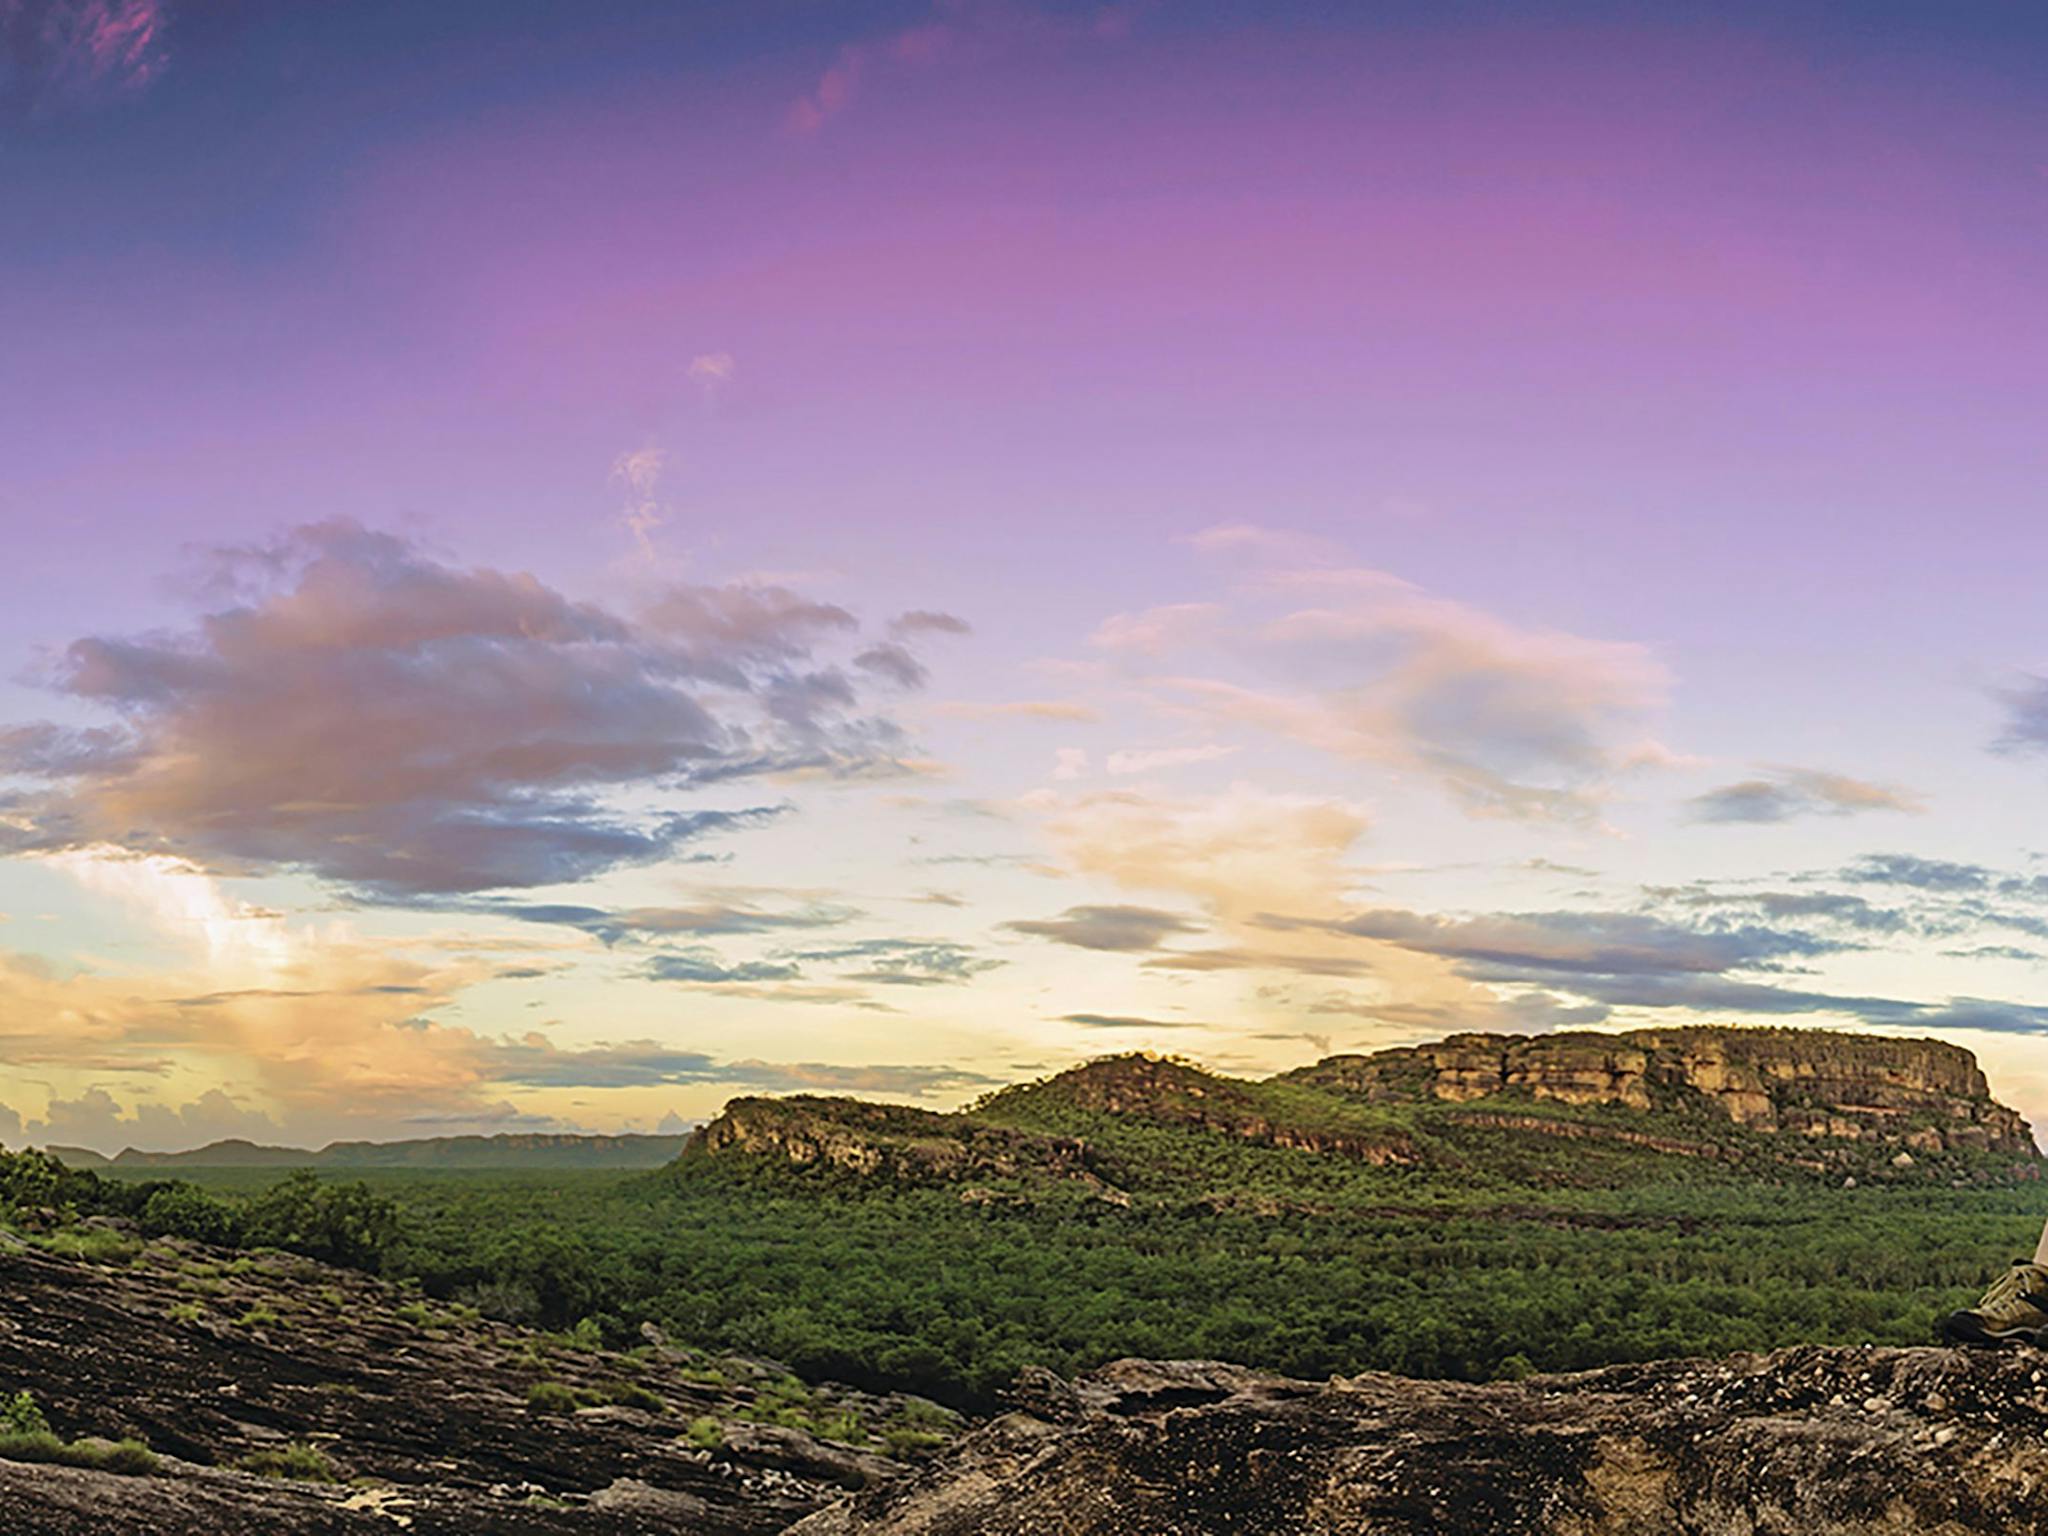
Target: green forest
{"x": 1495, "y": 1252}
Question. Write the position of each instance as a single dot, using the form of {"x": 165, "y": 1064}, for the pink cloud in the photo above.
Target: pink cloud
{"x": 73, "y": 50}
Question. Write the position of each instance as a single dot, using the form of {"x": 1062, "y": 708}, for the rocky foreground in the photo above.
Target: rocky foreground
{"x": 278, "y": 1395}
{"x": 1806, "y": 1442}
{"x": 281, "y": 1396}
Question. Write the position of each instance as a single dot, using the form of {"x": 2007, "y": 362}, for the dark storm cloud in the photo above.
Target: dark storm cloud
{"x": 409, "y": 729}
{"x": 1120, "y": 928}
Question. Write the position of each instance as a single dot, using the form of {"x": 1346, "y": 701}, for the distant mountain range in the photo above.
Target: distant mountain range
{"x": 520, "y": 1150}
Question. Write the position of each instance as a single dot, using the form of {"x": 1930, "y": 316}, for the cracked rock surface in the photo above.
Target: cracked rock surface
{"x": 1804, "y": 1442}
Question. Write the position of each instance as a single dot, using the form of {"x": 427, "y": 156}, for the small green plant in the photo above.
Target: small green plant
{"x": 187, "y": 1311}
{"x": 844, "y": 1426}
{"x": 94, "y": 1245}
{"x": 629, "y": 1394}
{"x": 705, "y": 1432}
{"x": 299, "y": 1461}
{"x": 586, "y": 1335}
{"x": 130, "y": 1458}
{"x": 550, "y": 1397}
{"x": 906, "y": 1440}
{"x": 258, "y": 1316}
{"x": 418, "y": 1314}
{"x": 20, "y": 1415}
{"x": 25, "y": 1435}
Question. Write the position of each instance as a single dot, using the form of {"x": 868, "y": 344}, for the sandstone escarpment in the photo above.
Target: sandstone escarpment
{"x": 1807, "y": 1442}
{"x": 1924, "y": 1095}
{"x": 884, "y": 1139}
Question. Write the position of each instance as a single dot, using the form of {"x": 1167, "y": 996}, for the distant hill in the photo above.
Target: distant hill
{"x": 519, "y": 1150}
{"x": 1763, "y": 1101}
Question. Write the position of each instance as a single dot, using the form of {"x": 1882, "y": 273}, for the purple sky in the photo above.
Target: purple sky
{"x": 563, "y": 567}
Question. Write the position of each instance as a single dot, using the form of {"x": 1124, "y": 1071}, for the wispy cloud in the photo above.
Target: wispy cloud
{"x": 1114, "y": 928}
{"x": 1788, "y": 793}
{"x": 64, "y": 53}
{"x": 1125, "y": 1021}
{"x": 1509, "y": 719}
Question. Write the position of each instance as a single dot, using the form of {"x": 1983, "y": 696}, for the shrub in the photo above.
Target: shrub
{"x": 300, "y": 1461}
{"x": 628, "y": 1394}
{"x": 550, "y": 1397}
{"x": 418, "y": 1314}
{"x": 904, "y": 1440}
{"x": 95, "y": 1245}
{"x": 844, "y": 1426}
{"x": 258, "y": 1316}
{"x": 1514, "y": 1368}
{"x": 705, "y": 1432}
{"x": 129, "y": 1458}
{"x": 19, "y": 1415}
{"x": 187, "y": 1312}
{"x": 185, "y": 1210}
{"x": 509, "y": 1301}
{"x": 342, "y": 1223}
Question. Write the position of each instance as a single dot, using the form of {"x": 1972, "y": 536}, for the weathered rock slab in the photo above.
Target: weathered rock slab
{"x": 1805, "y": 1442}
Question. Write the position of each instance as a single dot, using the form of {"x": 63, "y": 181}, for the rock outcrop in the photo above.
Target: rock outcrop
{"x": 1807, "y": 1442}
{"x": 858, "y": 1137}
{"x": 421, "y": 1415}
{"x": 1923, "y": 1095}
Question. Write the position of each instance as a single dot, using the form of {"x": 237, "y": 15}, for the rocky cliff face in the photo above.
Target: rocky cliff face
{"x": 1809, "y": 1442}
{"x": 885, "y": 1139}
{"x": 1923, "y": 1095}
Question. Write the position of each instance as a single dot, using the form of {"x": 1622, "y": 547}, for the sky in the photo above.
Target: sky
{"x": 565, "y": 563}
